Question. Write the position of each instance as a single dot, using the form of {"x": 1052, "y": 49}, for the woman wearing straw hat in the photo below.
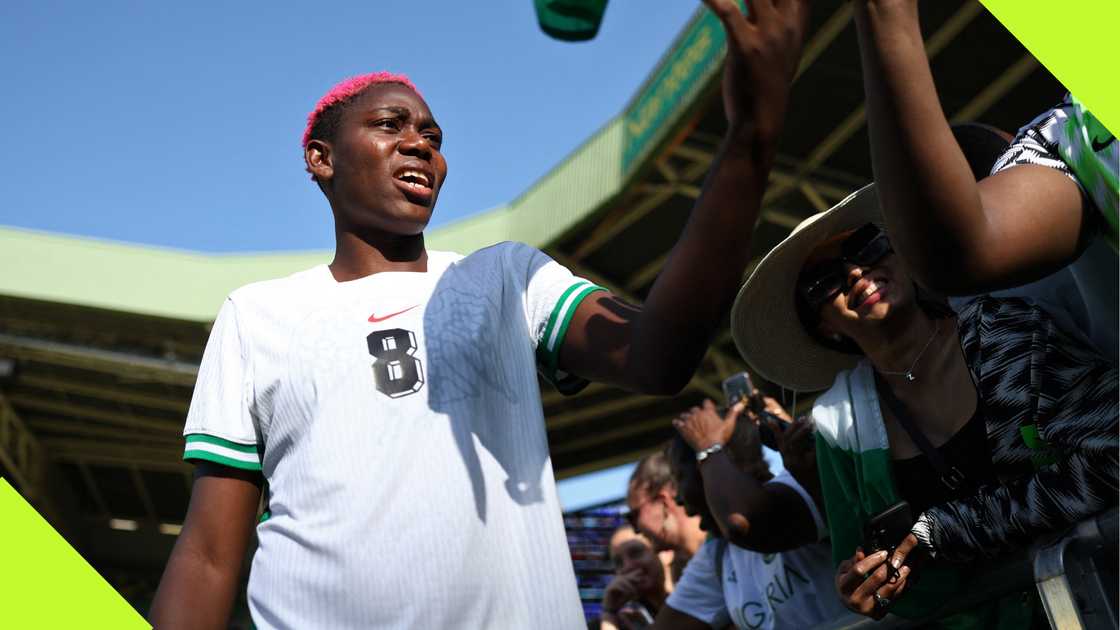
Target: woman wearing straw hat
{"x": 991, "y": 423}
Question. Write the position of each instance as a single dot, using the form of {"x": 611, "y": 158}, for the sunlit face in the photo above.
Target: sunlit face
{"x": 633, "y": 554}
{"x": 866, "y": 295}
{"x": 385, "y": 165}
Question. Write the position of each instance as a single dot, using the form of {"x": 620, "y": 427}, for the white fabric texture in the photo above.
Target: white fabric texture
{"x": 400, "y": 430}
{"x": 791, "y": 590}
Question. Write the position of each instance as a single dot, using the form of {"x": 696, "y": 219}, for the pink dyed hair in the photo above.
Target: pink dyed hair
{"x": 347, "y": 89}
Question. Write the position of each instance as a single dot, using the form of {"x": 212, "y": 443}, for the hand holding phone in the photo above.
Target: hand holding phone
{"x": 887, "y": 528}
{"x": 739, "y": 387}
{"x": 885, "y": 531}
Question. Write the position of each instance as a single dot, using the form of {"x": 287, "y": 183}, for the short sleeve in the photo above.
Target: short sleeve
{"x": 552, "y": 295}
{"x": 1038, "y": 143}
{"x": 220, "y": 427}
{"x": 786, "y": 479}
{"x": 699, "y": 593}
{"x": 1070, "y": 139}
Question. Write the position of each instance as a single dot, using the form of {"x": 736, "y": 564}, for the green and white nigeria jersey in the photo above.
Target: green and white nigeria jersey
{"x": 397, "y": 420}
{"x": 1070, "y": 139}
{"x": 1082, "y": 296}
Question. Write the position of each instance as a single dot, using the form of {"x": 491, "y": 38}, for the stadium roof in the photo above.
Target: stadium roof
{"x": 104, "y": 338}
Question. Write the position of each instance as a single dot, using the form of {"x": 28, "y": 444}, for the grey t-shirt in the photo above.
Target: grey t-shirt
{"x": 783, "y": 591}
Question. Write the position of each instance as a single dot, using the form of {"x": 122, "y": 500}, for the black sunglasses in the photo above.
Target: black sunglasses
{"x": 866, "y": 246}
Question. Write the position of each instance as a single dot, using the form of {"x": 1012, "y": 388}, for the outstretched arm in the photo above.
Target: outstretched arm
{"x": 956, "y": 235}
{"x": 656, "y": 348}
{"x": 199, "y": 585}
{"x": 1002, "y": 518}
{"x": 764, "y": 517}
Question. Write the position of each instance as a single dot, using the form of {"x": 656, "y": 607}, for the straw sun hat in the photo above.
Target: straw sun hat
{"x": 764, "y": 319}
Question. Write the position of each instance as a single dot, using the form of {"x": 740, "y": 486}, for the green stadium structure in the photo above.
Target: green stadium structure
{"x": 100, "y": 342}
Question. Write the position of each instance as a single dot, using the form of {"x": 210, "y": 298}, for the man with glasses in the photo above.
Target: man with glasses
{"x": 656, "y": 513}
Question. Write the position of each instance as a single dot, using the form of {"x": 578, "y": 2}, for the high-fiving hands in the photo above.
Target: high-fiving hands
{"x": 763, "y": 52}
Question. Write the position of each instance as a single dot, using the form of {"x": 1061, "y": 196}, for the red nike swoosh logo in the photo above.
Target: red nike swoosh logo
{"x": 373, "y": 318}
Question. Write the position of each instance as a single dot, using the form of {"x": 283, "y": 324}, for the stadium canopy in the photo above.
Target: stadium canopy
{"x": 100, "y": 342}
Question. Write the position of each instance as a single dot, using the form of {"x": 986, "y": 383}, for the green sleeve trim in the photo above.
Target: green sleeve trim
{"x": 201, "y": 446}
{"x": 210, "y": 439}
{"x": 542, "y": 343}
{"x": 548, "y": 349}
{"x": 190, "y": 455}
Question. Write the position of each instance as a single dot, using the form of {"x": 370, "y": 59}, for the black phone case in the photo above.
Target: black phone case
{"x": 737, "y": 386}
{"x": 887, "y": 528}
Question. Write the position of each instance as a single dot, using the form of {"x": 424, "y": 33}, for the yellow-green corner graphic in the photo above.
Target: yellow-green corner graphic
{"x": 1076, "y": 41}
{"x": 44, "y": 583}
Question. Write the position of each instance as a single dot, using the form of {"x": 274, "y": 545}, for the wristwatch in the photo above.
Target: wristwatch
{"x": 706, "y": 453}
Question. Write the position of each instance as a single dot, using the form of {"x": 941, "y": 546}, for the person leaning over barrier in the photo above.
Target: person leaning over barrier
{"x": 390, "y": 399}
{"x": 991, "y": 423}
{"x": 764, "y": 566}
{"x": 1050, "y": 201}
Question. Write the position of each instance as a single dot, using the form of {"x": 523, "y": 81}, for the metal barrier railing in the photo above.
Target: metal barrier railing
{"x": 1075, "y": 572}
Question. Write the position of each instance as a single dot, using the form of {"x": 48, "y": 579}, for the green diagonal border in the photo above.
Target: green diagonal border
{"x": 44, "y": 583}
{"x": 1076, "y": 41}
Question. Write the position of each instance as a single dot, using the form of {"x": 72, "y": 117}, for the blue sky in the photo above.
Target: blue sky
{"x": 178, "y": 124}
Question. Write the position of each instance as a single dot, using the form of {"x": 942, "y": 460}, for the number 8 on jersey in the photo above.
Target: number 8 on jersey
{"x": 395, "y": 371}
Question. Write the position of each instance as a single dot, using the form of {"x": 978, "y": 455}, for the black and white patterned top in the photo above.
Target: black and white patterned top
{"x": 1040, "y": 387}
{"x": 1037, "y": 142}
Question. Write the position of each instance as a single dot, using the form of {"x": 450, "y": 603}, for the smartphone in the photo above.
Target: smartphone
{"x": 739, "y": 387}
{"x": 887, "y": 528}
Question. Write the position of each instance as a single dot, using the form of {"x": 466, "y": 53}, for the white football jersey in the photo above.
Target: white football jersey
{"x": 398, "y": 423}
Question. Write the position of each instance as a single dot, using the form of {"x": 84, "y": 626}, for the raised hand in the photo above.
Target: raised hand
{"x": 702, "y": 426}
{"x": 622, "y": 589}
{"x": 763, "y": 51}
{"x": 775, "y": 408}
